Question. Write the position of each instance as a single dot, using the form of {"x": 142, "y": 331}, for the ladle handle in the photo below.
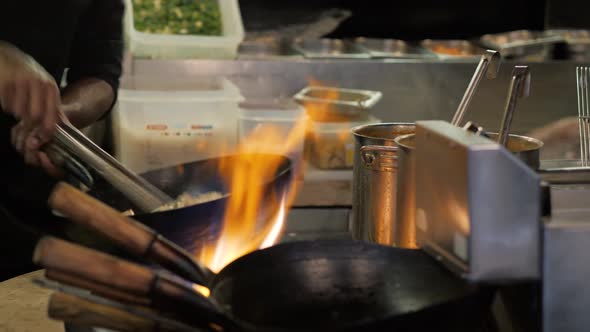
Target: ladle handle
{"x": 519, "y": 87}
{"x": 125, "y": 232}
{"x": 487, "y": 64}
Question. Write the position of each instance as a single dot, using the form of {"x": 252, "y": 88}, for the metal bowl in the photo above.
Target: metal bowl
{"x": 392, "y": 48}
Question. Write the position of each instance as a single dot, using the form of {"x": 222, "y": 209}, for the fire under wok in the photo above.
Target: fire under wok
{"x": 202, "y": 221}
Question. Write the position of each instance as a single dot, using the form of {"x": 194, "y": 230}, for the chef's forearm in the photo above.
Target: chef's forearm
{"x": 87, "y": 100}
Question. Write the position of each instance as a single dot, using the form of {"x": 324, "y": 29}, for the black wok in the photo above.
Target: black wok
{"x": 193, "y": 226}
{"x": 347, "y": 286}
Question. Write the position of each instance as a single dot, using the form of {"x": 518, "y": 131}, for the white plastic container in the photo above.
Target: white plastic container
{"x": 160, "y": 46}
{"x": 278, "y": 116}
{"x": 330, "y": 145}
{"x": 155, "y": 127}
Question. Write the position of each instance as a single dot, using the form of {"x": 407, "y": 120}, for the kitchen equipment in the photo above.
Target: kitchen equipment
{"x": 524, "y": 148}
{"x": 582, "y": 84}
{"x": 453, "y": 49}
{"x": 158, "y": 124}
{"x": 330, "y": 145}
{"x": 363, "y": 286}
{"x": 68, "y": 140}
{"x": 489, "y": 64}
{"x": 405, "y": 216}
{"x": 520, "y": 86}
{"x": 522, "y": 44}
{"x": 328, "y": 104}
{"x": 326, "y": 48}
{"x": 374, "y": 181}
{"x": 200, "y": 221}
{"x": 392, "y": 48}
{"x": 482, "y": 218}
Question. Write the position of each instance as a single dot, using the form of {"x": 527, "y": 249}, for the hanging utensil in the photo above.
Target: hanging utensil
{"x": 489, "y": 64}
{"x": 143, "y": 194}
{"x": 520, "y": 87}
{"x": 582, "y": 82}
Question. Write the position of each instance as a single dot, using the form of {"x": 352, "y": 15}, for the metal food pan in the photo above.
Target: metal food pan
{"x": 453, "y": 49}
{"x": 522, "y": 43}
{"x": 329, "y": 49}
{"x": 348, "y": 104}
{"x": 577, "y": 40}
{"x": 271, "y": 48}
{"x": 392, "y": 48}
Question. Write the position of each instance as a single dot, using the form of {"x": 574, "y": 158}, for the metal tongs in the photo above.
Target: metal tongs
{"x": 70, "y": 145}
{"x": 520, "y": 87}
{"x": 489, "y": 64}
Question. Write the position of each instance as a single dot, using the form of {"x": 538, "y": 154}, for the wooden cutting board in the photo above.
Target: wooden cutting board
{"x": 23, "y": 306}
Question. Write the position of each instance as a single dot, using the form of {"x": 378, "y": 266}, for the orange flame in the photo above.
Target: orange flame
{"x": 258, "y": 159}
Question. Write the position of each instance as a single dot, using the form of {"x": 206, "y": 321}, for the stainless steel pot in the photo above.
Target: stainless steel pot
{"x": 523, "y": 147}
{"x": 406, "y": 188}
{"x": 375, "y": 181}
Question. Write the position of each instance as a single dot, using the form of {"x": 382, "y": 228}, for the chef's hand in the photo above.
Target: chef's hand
{"x": 31, "y": 95}
{"x": 29, "y": 145}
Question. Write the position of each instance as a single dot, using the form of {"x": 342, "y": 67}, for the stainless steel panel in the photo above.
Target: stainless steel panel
{"x": 412, "y": 90}
{"x": 477, "y": 205}
{"x": 566, "y": 295}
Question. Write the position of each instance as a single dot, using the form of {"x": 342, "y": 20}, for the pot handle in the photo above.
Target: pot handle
{"x": 379, "y": 157}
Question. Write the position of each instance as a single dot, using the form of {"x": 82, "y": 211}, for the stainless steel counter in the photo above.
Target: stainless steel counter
{"x": 412, "y": 90}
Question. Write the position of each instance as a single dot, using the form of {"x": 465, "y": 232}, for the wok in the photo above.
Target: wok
{"x": 193, "y": 226}
{"x": 301, "y": 286}
{"x": 347, "y": 286}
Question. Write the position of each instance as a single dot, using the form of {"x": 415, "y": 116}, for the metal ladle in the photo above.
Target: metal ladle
{"x": 489, "y": 64}
{"x": 520, "y": 87}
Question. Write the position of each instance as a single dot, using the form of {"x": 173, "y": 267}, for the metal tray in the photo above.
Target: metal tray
{"x": 578, "y": 42}
{"x": 522, "y": 43}
{"x": 265, "y": 49}
{"x": 347, "y": 104}
{"x": 392, "y": 48}
{"x": 453, "y": 49}
{"x": 325, "y": 48}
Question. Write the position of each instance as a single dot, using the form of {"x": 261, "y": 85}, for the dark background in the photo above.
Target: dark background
{"x": 420, "y": 19}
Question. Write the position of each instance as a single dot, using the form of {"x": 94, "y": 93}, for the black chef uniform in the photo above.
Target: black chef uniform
{"x": 82, "y": 35}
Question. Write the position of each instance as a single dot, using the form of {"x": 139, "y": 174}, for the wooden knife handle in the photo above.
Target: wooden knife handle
{"x": 90, "y": 212}
{"x": 127, "y": 233}
{"x": 81, "y": 312}
{"x": 94, "y": 266}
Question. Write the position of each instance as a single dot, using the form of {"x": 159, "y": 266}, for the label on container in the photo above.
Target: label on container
{"x": 156, "y": 127}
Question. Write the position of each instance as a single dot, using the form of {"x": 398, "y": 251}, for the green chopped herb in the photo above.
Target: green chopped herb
{"x": 178, "y": 17}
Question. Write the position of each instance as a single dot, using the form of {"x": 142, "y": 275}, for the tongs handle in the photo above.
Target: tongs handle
{"x": 520, "y": 86}
{"x": 140, "y": 192}
{"x": 488, "y": 64}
